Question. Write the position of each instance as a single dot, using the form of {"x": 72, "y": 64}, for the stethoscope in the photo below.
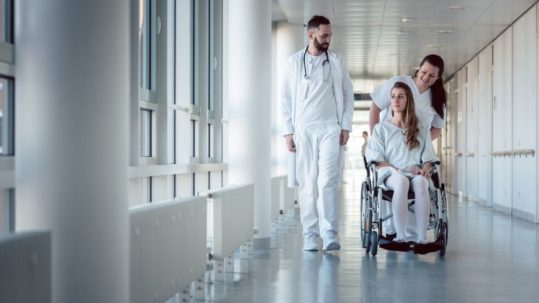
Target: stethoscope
{"x": 305, "y": 65}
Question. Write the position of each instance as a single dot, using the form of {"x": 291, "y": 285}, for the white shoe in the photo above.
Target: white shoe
{"x": 331, "y": 243}
{"x": 310, "y": 243}
{"x": 422, "y": 240}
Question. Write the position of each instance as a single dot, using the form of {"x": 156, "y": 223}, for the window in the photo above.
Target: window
{"x": 194, "y": 183}
{"x": 211, "y": 54}
{"x": 195, "y": 50}
{"x": 7, "y": 125}
{"x": 147, "y": 189}
{"x": 210, "y": 140}
{"x": 6, "y": 23}
{"x": 194, "y": 138}
{"x": 146, "y": 130}
{"x": 7, "y": 211}
{"x": 147, "y": 43}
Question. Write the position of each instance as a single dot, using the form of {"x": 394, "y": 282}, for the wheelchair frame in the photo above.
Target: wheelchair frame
{"x": 372, "y": 198}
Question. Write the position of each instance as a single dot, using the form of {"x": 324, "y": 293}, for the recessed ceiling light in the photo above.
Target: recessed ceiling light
{"x": 406, "y": 19}
{"x": 457, "y": 7}
{"x": 434, "y": 45}
{"x": 445, "y": 31}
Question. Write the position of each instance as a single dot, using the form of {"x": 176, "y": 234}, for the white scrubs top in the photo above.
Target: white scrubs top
{"x": 426, "y": 114}
{"x": 319, "y": 105}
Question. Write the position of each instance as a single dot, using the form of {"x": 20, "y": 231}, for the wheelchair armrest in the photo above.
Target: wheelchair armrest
{"x": 433, "y": 173}
{"x": 371, "y": 163}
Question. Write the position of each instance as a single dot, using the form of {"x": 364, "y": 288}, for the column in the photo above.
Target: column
{"x": 289, "y": 38}
{"x": 249, "y": 104}
{"x": 72, "y": 133}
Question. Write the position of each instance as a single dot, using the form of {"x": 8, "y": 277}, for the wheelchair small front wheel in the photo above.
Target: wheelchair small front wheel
{"x": 365, "y": 215}
{"x": 374, "y": 243}
{"x": 443, "y": 236}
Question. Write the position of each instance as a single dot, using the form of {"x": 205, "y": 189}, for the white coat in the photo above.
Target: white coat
{"x": 294, "y": 90}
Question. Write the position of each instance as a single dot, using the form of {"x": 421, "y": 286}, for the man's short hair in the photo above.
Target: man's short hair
{"x": 316, "y": 21}
{"x": 365, "y": 133}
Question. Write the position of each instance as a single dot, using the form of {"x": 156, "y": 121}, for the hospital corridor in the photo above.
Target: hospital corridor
{"x": 238, "y": 151}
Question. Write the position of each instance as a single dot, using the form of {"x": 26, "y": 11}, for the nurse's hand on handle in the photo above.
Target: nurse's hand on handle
{"x": 345, "y": 135}
{"x": 290, "y": 143}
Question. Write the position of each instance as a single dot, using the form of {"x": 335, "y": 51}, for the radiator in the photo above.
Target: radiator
{"x": 233, "y": 218}
{"x": 289, "y": 196}
{"x": 25, "y": 267}
{"x": 168, "y": 248}
{"x": 276, "y": 196}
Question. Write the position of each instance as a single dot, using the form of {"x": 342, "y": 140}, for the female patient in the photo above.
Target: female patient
{"x": 404, "y": 154}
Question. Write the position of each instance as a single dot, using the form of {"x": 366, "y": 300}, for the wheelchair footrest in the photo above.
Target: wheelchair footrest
{"x": 428, "y": 247}
{"x": 388, "y": 244}
{"x": 418, "y": 248}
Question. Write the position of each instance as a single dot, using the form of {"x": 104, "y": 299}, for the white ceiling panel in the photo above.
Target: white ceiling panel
{"x": 381, "y": 38}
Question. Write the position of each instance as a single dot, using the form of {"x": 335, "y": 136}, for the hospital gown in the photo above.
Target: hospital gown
{"x": 388, "y": 144}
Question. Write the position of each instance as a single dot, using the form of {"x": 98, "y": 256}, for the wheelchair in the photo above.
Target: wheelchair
{"x": 376, "y": 208}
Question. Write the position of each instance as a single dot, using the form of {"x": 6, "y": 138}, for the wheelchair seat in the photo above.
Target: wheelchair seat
{"x": 388, "y": 195}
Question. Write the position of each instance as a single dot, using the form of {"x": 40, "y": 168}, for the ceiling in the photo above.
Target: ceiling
{"x": 381, "y": 38}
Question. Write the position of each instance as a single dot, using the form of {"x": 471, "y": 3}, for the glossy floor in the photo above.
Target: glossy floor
{"x": 491, "y": 257}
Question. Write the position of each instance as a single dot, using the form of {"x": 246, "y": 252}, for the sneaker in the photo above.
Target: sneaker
{"x": 422, "y": 240}
{"x": 310, "y": 243}
{"x": 331, "y": 243}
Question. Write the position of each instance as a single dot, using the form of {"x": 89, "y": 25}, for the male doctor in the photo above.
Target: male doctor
{"x": 317, "y": 99}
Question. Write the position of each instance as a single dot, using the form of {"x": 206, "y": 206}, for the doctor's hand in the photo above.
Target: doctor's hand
{"x": 290, "y": 143}
{"x": 345, "y": 135}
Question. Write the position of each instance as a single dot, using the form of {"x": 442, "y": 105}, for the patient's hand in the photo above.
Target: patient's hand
{"x": 426, "y": 169}
{"x": 415, "y": 170}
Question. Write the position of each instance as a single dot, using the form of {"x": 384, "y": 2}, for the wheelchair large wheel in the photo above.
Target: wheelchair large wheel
{"x": 443, "y": 233}
{"x": 374, "y": 243}
{"x": 366, "y": 216}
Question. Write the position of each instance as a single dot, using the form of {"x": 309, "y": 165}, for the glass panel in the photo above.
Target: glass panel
{"x": 7, "y": 211}
{"x": 210, "y": 140}
{"x": 195, "y": 51}
{"x": 147, "y": 43}
{"x": 194, "y": 138}
{"x": 6, "y": 117}
{"x": 6, "y": 23}
{"x": 4, "y": 215}
{"x": 146, "y": 133}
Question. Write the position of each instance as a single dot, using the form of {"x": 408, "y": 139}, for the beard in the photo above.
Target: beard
{"x": 322, "y": 47}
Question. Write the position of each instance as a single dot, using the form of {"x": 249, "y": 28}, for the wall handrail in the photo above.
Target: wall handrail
{"x": 514, "y": 153}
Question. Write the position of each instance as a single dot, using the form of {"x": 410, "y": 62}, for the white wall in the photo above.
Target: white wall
{"x": 502, "y": 178}
{"x": 461, "y": 131}
{"x": 524, "y": 113}
{"x": 497, "y": 114}
{"x": 484, "y": 148}
{"x": 472, "y": 126}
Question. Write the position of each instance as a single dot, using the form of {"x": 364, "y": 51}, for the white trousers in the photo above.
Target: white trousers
{"x": 318, "y": 169}
{"x": 400, "y": 185}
